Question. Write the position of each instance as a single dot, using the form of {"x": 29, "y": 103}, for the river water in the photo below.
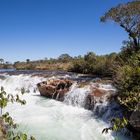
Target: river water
{"x": 48, "y": 119}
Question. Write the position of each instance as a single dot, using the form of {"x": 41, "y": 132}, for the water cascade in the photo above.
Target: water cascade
{"x": 48, "y": 119}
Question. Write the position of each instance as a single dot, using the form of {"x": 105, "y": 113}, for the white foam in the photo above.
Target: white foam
{"x": 48, "y": 119}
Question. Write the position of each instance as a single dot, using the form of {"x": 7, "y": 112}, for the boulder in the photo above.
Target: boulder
{"x": 91, "y": 98}
{"x": 54, "y": 89}
{"x": 97, "y": 95}
{"x": 135, "y": 120}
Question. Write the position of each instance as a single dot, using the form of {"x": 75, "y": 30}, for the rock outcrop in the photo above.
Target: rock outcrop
{"x": 2, "y": 130}
{"x": 54, "y": 89}
{"x": 91, "y": 99}
{"x": 57, "y": 89}
{"x": 98, "y": 96}
{"x": 135, "y": 121}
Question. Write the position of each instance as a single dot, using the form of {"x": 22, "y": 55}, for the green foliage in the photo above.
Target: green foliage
{"x": 129, "y": 100}
{"x": 62, "y": 62}
{"x": 64, "y": 58}
{"x": 127, "y": 78}
{"x": 127, "y": 81}
{"x": 7, "y": 119}
{"x": 22, "y": 136}
{"x": 116, "y": 124}
{"x": 94, "y": 64}
{"x": 27, "y": 60}
{"x": 1, "y": 60}
{"x": 127, "y": 63}
{"x": 128, "y": 17}
{"x": 3, "y": 99}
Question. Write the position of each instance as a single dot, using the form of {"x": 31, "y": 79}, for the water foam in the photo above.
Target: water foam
{"x": 48, "y": 119}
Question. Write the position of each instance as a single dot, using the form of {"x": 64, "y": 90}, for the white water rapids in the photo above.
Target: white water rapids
{"x": 48, "y": 119}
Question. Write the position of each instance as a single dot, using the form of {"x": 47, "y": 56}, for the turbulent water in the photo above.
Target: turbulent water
{"x": 48, "y": 119}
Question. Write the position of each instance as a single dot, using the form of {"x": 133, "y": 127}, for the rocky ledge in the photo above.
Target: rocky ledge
{"x": 57, "y": 88}
{"x": 2, "y": 130}
{"x": 135, "y": 122}
{"x": 54, "y": 89}
{"x": 98, "y": 94}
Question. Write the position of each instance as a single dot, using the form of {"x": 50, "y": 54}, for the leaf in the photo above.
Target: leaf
{"x": 23, "y": 136}
{"x": 32, "y": 138}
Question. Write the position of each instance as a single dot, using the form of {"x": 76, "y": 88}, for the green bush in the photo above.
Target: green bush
{"x": 93, "y": 64}
{"x": 127, "y": 78}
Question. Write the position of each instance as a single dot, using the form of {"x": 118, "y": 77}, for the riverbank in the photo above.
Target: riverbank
{"x": 6, "y": 66}
{"x": 42, "y": 65}
{"x": 90, "y": 63}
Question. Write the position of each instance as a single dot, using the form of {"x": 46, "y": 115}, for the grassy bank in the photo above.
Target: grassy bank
{"x": 6, "y": 66}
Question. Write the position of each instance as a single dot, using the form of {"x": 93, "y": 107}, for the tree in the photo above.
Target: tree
{"x": 90, "y": 57}
{"x": 27, "y": 60}
{"x": 1, "y": 60}
{"x": 45, "y": 58}
{"x": 7, "y": 62}
{"x": 128, "y": 17}
{"x": 64, "y": 57}
{"x": 126, "y": 74}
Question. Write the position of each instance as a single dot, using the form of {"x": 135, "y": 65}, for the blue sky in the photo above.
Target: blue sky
{"x": 37, "y": 29}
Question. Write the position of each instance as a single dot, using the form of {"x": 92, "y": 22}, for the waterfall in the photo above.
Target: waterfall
{"x": 102, "y": 107}
{"x": 48, "y": 119}
{"x": 77, "y": 96}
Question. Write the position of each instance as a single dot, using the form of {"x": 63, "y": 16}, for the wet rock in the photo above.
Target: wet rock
{"x": 91, "y": 98}
{"x": 40, "y": 75}
{"x": 82, "y": 83}
{"x": 135, "y": 120}
{"x": 98, "y": 93}
{"x": 54, "y": 89}
{"x": 97, "y": 96}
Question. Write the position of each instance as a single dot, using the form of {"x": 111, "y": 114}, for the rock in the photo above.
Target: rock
{"x": 54, "y": 89}
{"x": 40, "y": 75}
{"x": 97, "y": 96}
{"x": 135, "y": 119}
{"x": 2, "y": 130}
{"x": 98, "y": 93}
{"x": 90, "y": 102}
{"x": 82, "y": 84}
{"x": 91, "y": 98}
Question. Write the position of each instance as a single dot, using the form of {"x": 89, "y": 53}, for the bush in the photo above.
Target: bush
{"x": 127, "y": 78}
{"x": 93, "y": 64}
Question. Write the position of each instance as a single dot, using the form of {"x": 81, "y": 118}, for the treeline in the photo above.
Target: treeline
{"x": 90, "y": 63}
{"x": 63, "y": 62}
{"x": 99, "y": 65}
{"x": 5, "y": 64}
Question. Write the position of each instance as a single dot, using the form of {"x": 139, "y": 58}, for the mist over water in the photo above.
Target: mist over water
{"x": 48, "y": 119}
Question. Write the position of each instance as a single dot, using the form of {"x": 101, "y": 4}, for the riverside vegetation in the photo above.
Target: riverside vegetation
{"x": 123, "y": 67}
{"x": 127, "y": 64}
{"x": 9, "y": 132}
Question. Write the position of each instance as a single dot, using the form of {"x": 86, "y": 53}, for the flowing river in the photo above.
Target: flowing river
{"x": 48, "y": 119}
